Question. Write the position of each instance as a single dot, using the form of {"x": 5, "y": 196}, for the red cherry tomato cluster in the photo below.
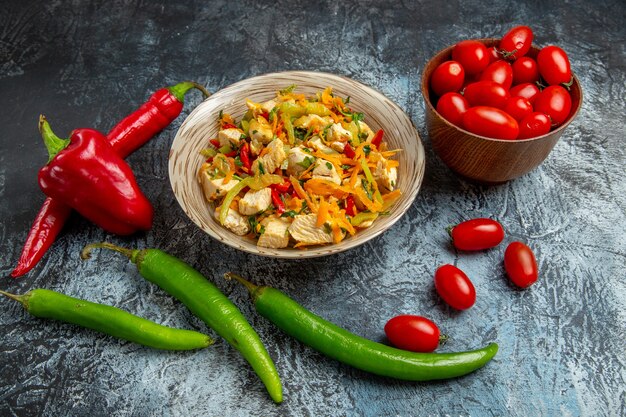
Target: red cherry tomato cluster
{"x": 502, "y": 93}
{"x": 419, "y": 334}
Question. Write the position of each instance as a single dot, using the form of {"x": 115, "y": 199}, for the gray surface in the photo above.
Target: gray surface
{"x": 90, "y": 63}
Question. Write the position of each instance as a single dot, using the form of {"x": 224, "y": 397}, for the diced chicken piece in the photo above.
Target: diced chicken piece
{"x": 297, "y": 161}
{"x": 215, "y": 189}
{"x": 255, "y": 201}
{"x": 338, "y": 146}
{"x": 337, "y": 133}
{"x": 260, "y": 132}
{"x": 324, "y": 170}
{"x": 276, "y": 233}
{"x": 235, "y": 222}
{"x": 312, "y": 120}
{"x": 386, "y": 177}
{"x": 260, "y": 108}
{"x": 304, "y": 230}
{"x": 272, "y": 159}
{"x": 268, "y": 106}
{"x": 229, "y": 136}
{"x": 316, "y": 142}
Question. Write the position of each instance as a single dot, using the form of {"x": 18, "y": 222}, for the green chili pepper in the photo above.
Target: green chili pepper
{"x": 110, "y": 320}
{"x": 357, "y": 351}
{"x": 205, "y": 301}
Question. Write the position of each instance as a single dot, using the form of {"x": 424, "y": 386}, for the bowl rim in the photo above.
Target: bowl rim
{"x": 316, "y": 251}
{"x": 429, "y": 104}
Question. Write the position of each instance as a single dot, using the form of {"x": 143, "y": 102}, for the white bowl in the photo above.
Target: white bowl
{"x": 201, "y": 125}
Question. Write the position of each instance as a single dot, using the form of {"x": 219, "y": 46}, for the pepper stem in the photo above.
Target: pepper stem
{"x": 249, "y": 286}
{"x": 179, "y": 90}
{"x": 18, "y": 298}
{"x": 53, "y": 143}
{"x": 129, "y": 253}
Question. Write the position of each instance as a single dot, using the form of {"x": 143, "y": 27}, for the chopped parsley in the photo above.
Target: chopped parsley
{"x": 306, "y": 162}
{"x": 261, "y": 169}
{"x": 290, "y": 213}
{"x": 367, "y": 149}
{"x": 288, "y": 90}
{"x": 238, "y": 161}
{"x": 329, "y": 165}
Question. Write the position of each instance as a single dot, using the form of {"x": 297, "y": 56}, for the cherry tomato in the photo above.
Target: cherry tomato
{"x": 516, "y": 43}
{"x": 454, "y": 287}
{"x": 414, "y": 333}
{"x": 525, "y": 70}
{"x": 493, "y": 54}
{"x": 451, "y": 107}
{"x": 472, "y": 55}
{"x": 486, "y": 93}
{"x": 500, "y": 72}
{"x": 520, "y": 264}
{"x": 554, "y": 65}
{"x": 447, "y": 77}
{"x": 490, "y": 122}
{"x": 533, "y": 125}
{"x": 527, "y": 90}
{"x": 477, "y": 234}
{"x": 554, "y": 101}
{"x": 518, "y": 107}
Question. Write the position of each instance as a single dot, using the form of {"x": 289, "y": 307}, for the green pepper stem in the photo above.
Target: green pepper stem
{"x": 18, "y": 298}
{"x": 249, "y": 286}
{"x": 129, "y": 253}
{"x": 53, "y": 143}
{"x": 179, "y": 90}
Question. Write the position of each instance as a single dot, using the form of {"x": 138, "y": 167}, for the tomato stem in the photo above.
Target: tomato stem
{"x": 449, "y": 230}
{"x": 568, "y": 84}
{"x": 443, "y": 339}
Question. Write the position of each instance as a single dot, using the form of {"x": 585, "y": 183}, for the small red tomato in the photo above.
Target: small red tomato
{"x": 486, "y": 93}
{"x": 447, "y": 77}
{"x": 518, "y": 107}
{"x": 554, "y": 101}
{"x": 454, "y": 287}
{"x": 516, "y": 43}
{"x": 477, "y": 234}
{"x": 472, "y": 55}
{"x": 520, "y": 264}
{"x": 500, "y": 72}
{"x": 451, "y": 107}
{"x": 527, "y": 90}
{"x": 490, "y": 122}
{"x": 525, "y": 70}
{"x": 493, "y": 54}
{"x": 533, "y": 125}
{"x": 554, "y": 65}
{"x": 414, "y": 333}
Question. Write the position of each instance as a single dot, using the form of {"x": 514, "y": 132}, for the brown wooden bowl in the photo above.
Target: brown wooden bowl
{"x": 481, "y": 158}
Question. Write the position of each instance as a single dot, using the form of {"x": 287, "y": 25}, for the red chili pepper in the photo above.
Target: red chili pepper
{"x": 244, "y": 156}
{"x": 127, "y": 136}
{"x": 228, "y": 126}
{"x": 231, "y": 154}
{"x": 215, "y": 142}
{"x": 350, "y": 207}
{"x": 378, "y": 138}
{"x": 85, "y": 172}
{"x": 278, "y": 202}
{"x": 348, "y": 151}
{"x": 282, "y": 188}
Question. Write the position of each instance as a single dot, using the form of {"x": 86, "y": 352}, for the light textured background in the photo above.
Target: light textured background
{"x": 87, "y": 64}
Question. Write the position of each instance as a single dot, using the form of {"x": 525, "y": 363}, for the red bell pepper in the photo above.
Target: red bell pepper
{"x": 244, "y": 157}
{"x": 215, "y": 142}
{"x": 85, "y": 172}
{"x": 350, "y": 207}
{"x": 127, "y": 136}
{"x": 348, "y": 151}
{"x": 282, "y": 188}
{"x": 378, "y": 138}
{"x": 278, "y": 202}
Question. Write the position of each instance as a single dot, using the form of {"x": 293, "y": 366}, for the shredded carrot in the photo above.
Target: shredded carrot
{"x": 388, "y": 154}
{"x": 337, "y": 235}
{"x": 355, "y": 175}
{"x": 322, "y": 213}
{"x": 392, "y": 163}
{"x": 302, "y": 194}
